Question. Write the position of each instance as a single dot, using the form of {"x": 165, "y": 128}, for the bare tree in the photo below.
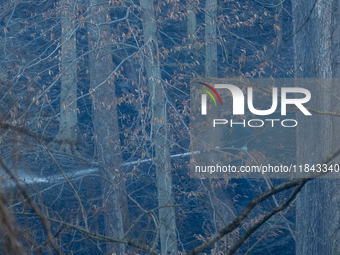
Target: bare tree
{"x": 68, "y": 125}
{"x": 160, "y": 132}
{"x": 210, "y": 39}
{"x": 137, "y": 123}
{"x": 316, "y": 53}
{"x": 105, "y": 122}
{"x": 191, "y": 23}
{"x": 222, "y": 210}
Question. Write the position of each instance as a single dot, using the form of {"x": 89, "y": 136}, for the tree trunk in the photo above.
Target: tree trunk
{"x": 316, "y": 50}
{"x": 279, "y": 25}
{"x": 159, "y": 132}
{"x": 105, "y": 122}
{"x": 68, "y": 127}
{"x": 210, "y": 39}
{"x": 222, "y": 209}
{"x": 191, "y": 23}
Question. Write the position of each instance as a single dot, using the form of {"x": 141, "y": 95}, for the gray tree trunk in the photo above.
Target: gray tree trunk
{"x": 159, "y": 132}
{"x": 105, "y": 122}
{"x": 316, "y": 51}
{"x": 210, "y": 39}
{"x": 279, "y": 29}
{"x": 68, "y": 127}
{"x": 191, "y": 23}
{"x": 222, "y": 209}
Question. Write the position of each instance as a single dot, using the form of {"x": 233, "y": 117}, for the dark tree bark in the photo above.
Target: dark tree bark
{"x": 316, "y": 52}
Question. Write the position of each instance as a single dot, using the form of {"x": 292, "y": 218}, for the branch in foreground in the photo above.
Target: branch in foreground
{"x": 223, "y": 231}
{"x": 265, "y": 218}
{"x": 244, "y": 214}
{"x": 25, "y": 194}
{"x": 103, "y": 238}
{"x": 252, "y": 204}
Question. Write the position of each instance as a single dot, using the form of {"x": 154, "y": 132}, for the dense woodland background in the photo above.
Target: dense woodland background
{"x": 95, "y": 124}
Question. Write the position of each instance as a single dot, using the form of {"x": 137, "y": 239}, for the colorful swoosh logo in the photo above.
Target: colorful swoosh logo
{"x": 208, "y": 92}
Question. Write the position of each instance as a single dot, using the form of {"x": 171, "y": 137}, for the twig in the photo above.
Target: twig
{"x": 298, "y": 183}
{"x": 33, "y": 205}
